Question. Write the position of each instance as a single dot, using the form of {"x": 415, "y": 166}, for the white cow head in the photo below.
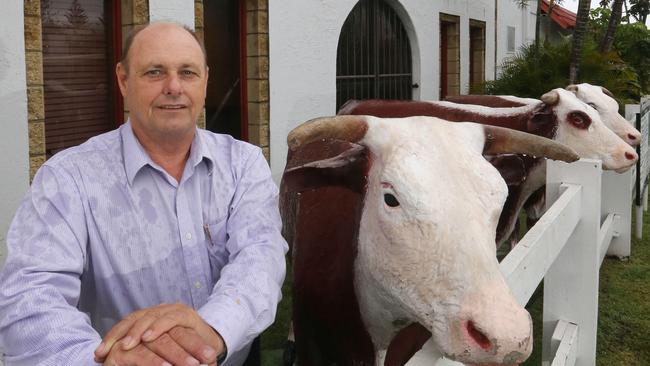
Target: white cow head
{"x": 426, "y": 247}
{"x": 581, "y": 127}
{"x": 602, "y": 100}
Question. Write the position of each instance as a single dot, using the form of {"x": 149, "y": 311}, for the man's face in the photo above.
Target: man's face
{"x": 165, "y": 85}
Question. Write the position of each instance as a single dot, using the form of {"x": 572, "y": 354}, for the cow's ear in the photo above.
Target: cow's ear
{"x": 543, "y": 118}
{"x": 511, "y": 168}
{"x": 324, "y": 163}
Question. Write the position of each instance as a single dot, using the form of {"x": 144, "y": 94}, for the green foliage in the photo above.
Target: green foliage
{"x": 532, "y": 72}
{"x": 632, "y": 43}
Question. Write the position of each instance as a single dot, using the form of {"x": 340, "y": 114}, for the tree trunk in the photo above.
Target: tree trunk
{"x": 578, "y": 39}
{"x": 614, "y": 21}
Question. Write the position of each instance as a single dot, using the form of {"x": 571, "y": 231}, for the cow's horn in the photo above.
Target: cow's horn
{"x": 607, "y": 92}
{"x": 347, "y": 128}
{"x": 499, "y": 140}
{"x": 551, "y": 98}
{"x": 572, "y": 88}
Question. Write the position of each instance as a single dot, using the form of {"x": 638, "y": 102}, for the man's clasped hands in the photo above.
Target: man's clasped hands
{"x": 167, "y": 334}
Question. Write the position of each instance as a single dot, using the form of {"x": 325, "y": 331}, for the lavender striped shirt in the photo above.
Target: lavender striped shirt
{"x": 105, "y": 231}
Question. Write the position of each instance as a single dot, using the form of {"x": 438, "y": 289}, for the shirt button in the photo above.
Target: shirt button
{"x": 197, "y": 284}
{"x": 188, "y": 236}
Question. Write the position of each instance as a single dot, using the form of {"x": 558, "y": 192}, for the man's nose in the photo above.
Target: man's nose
{"x": 173, "y": 85}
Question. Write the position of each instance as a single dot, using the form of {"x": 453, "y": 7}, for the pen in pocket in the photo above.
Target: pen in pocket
{"x": 207, "y": 233}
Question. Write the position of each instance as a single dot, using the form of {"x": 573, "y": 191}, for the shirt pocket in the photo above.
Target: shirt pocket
{"x": 216, "y": 237}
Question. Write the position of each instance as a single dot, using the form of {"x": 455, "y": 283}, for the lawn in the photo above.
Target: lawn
{"x": 623, "y": 321}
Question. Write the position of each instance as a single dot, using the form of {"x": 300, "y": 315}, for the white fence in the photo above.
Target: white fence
{"x": 639, "y": 116}
{"x": 588, "y": 216}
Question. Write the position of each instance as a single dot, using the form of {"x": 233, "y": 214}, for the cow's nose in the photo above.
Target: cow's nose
{"x": 631, "y": 136}
{"x": 631, "y": 155}
{"x": 494, "y": 327}
{"x": 477, "y": 336}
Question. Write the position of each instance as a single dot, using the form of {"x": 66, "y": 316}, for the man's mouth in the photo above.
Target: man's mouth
{"x": 172, "y": 106}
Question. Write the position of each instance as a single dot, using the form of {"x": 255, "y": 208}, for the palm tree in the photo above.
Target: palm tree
{"x": 578, "y": 39}
{"x": 614, "y": 21}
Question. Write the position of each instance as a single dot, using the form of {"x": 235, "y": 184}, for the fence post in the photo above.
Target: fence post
{"x": 617, "y": 199}
{"x": 571, "y": 284}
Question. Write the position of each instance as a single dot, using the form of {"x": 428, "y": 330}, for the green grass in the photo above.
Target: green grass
{"x": 623, "y": 319}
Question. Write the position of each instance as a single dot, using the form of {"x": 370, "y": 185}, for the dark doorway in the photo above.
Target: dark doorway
{"x": 476, "y": 55}
{"x": 373, "y": 55}
{"x": 223, "y": 39}
{"x": 449, "y": 55}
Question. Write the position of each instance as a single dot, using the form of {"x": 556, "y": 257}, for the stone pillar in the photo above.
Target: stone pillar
{"x": 257, "y": 61}
{"x": 35, "y": 92}
{"x": 133, "y": 13}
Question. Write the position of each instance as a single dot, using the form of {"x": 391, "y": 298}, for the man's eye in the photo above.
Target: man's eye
{"x": 153, "y": 73}
{"x": 188, "y": 73}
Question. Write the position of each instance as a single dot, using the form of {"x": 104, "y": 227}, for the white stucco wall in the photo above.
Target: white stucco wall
{"x": 522, "y": 19}
{"x": 14, "y": 145}
{"x": 303, "y": 38}
{"x": 181, "y": 11}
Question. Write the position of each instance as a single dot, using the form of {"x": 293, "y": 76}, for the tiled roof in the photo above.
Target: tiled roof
{"x": 563, "y": 17}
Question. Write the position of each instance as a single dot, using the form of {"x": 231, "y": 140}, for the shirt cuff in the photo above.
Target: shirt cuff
{"x": 230, "y": 318}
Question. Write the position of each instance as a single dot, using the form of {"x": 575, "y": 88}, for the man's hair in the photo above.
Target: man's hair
{"x": 139, "y": 28}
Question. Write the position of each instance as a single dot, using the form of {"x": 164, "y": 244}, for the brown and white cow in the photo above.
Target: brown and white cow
{"x": 391, "y": 224}
{"x": 598, "y": 97}
{"x": 559, "y": 116}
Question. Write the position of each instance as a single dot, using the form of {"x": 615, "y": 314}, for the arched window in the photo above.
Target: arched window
{"x": 374, "y": 55}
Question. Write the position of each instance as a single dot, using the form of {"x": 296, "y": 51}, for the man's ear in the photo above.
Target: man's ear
{"x": 120, "y": 73}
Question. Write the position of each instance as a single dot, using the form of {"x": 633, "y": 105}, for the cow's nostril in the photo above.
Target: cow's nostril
{"x": 631, "y": 136}
{"x": 630, "y": 156}
{"x": 478, "y": 337}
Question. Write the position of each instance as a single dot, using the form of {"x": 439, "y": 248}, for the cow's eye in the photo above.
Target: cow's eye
{"x": 579, "y": 120}
{"x": 592, "y": 105}
{"x": 390, "y": 200}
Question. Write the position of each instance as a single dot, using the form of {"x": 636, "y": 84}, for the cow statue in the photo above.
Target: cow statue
{"x": 598, "y": 97}
{"x": 560, "y": 115}
{"x": 391, "y": 225}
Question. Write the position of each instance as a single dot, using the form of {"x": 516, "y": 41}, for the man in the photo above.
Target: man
{"x": 156, "y": 212}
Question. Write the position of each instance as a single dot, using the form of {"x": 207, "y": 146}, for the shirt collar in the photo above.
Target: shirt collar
{"x": 136, "y": 157}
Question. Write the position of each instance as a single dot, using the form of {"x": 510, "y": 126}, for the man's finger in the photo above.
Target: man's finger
{"x": 134, "y": 334}
{"x": 139, "y": 356}
{"x": 116, "y": 333}
{"x": 166, "y": 347}
{"x": 190, "y": 340}
{"x": 169, "y": 320}
{"x": 121, "y": 329}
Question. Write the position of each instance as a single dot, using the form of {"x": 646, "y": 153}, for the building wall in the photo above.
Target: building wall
{"x": 303, "y": 38}
{"x": 522, "y": 19}
{"x": 14, "y": 143}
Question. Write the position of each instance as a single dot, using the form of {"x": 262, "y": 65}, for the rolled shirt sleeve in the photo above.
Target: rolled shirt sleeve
{"x": 244, "y": 300}
{"x": 40, "y": 283}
